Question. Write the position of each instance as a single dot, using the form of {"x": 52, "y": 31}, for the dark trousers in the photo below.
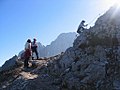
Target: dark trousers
{"x": 35, "y": 51}
{"x": 80, "y": 29}
{"x": 26, "y": 62}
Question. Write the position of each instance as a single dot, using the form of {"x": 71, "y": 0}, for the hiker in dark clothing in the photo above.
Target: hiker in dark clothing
{"x": 28, "y": 53}
{"x": 34, "y": 48}
{"x": 81, "y": 27}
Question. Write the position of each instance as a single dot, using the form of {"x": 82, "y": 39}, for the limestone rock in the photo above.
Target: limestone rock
{"x": 9, "y": 64}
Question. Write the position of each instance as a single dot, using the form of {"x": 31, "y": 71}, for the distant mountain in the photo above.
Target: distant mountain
{"x": 63, "y": 41}
{"x": 40, "y": 49}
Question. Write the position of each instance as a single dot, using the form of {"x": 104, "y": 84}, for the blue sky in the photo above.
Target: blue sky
{"x": 42, "y": 19}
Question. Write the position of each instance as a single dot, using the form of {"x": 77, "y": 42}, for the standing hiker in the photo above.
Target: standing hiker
{"x": 28, "y": 53}
{"x": 34, "y": 48}
{"x": 81, "y": 27}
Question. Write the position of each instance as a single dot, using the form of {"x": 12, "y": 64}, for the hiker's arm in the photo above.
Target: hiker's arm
{"x": 86, "y": 25}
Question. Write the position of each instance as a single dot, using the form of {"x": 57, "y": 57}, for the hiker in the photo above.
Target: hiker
{"x": 28, "y": 53}
{"x": 81, "y": 27}
{"x": 34, "y": 48}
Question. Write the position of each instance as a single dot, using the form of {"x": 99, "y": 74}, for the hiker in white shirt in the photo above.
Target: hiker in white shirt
{"x": 27, "y": 45}
{"x": 28, "y": 53}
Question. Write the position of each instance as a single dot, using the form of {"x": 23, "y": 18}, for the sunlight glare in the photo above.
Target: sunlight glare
{"x": 112, "y": 3}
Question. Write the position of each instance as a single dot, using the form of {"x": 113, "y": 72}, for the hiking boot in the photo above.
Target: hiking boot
{"x": 32, "y": 58}
{"x": 37, "y": 58}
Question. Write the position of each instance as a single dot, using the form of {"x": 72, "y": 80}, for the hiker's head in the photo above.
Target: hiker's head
{"x": 83, "y": 21}
{"x": 29, "y": 41}
{"x": 34, "y": 39}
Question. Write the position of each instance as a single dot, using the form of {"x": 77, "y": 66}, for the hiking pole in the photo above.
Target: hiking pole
{"x": 94, "y": 19}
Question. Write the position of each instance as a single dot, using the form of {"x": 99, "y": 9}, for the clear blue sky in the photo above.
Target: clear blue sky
{"x": 42, "y": 19}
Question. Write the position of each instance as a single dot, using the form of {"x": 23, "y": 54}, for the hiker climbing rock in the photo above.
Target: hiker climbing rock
{"x": 34, "y": 48}
{"x": 28, "y": 53}
{"x": 81, "y": 27}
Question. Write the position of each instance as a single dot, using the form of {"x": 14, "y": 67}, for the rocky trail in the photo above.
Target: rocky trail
{"x": 20, "y": 76}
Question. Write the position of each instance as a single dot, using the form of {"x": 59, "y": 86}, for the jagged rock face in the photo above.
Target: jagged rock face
{"x": 93, "y": 61}
{"x": 108, "y": 25}
{"x": 9, "y": 64}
